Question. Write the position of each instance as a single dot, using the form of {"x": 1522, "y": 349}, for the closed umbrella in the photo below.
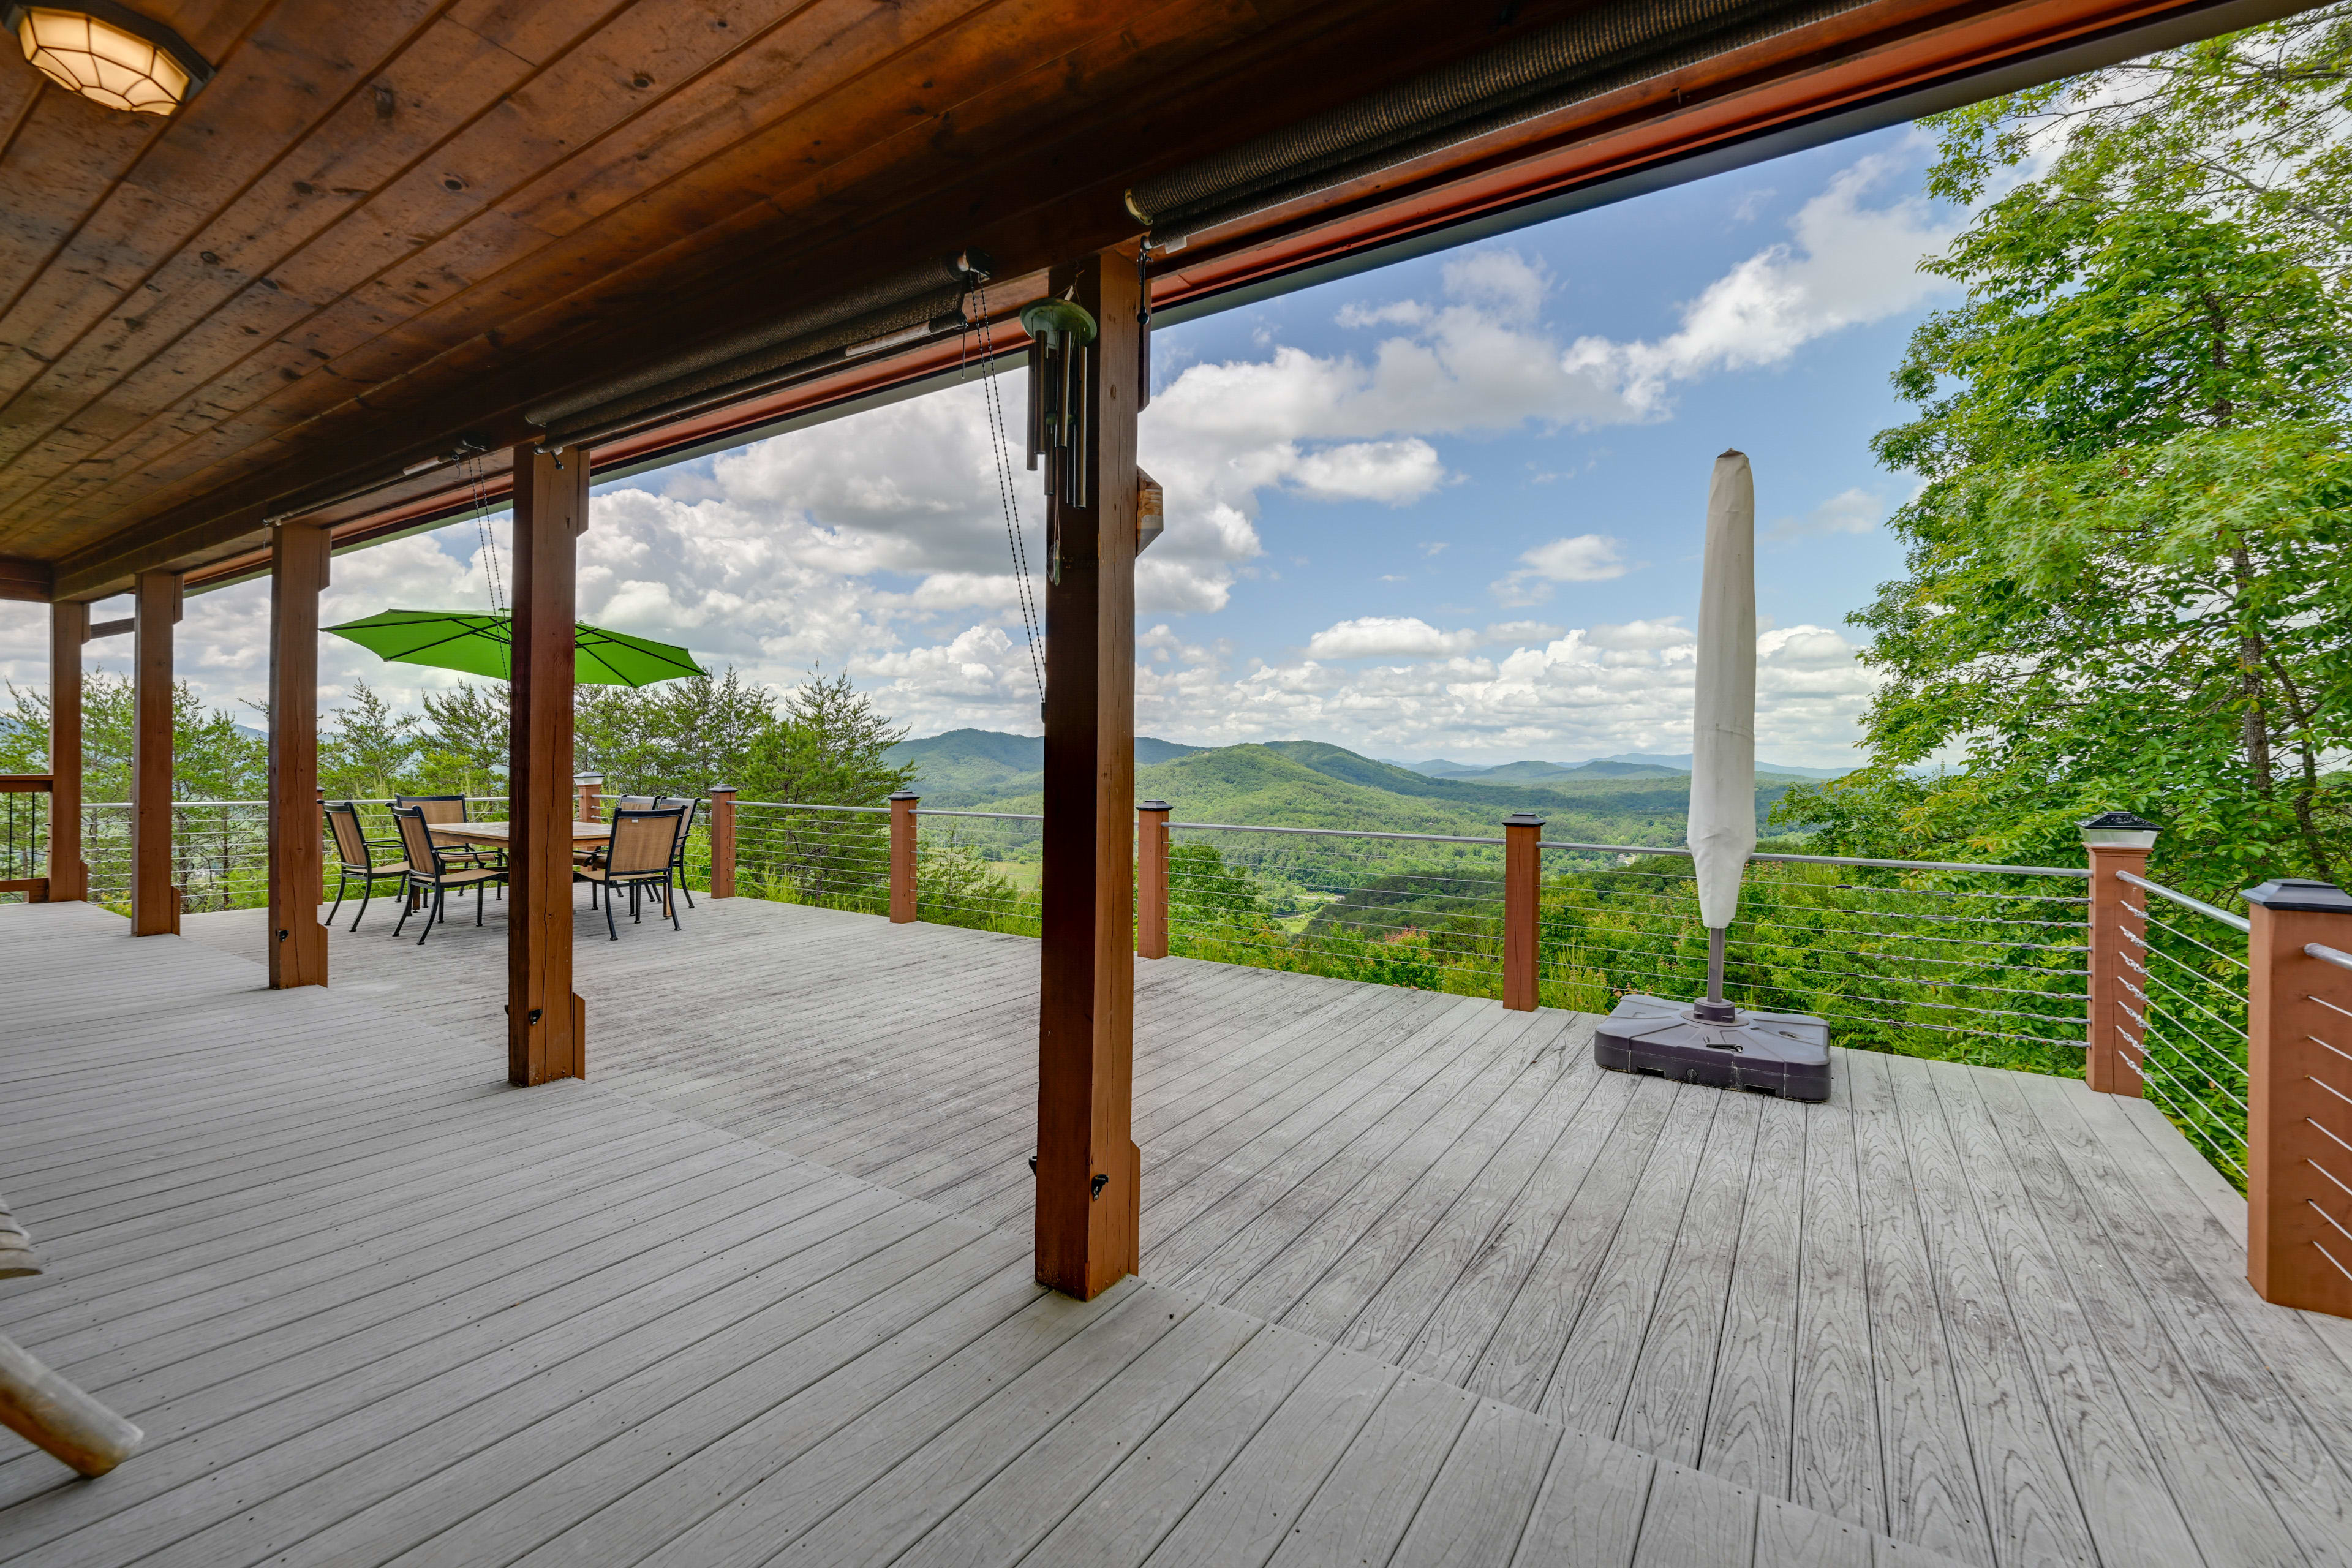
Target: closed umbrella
{"x": 1712, "y": 1041}
{"x": 1722, "y": 833}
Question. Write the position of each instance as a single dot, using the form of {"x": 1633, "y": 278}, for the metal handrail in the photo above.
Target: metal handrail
{"x": 1337, "y": 833}
{"x": 2325, "y": 954}
{"x": 987, "y": 816}
{"x": 2237, "y": 922}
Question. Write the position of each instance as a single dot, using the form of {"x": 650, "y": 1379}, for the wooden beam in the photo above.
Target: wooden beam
{"x": 545, "y": 1021}
{"x": 68, "y": 629}
{"x": 1090, "y": 1191}
{"x": 154, "y": 901}
{"x": 26, "y": 581}
{"x": 297, "y": 575}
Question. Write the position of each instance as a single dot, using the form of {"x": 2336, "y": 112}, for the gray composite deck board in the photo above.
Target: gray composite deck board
{"x": 758, "y": 1291}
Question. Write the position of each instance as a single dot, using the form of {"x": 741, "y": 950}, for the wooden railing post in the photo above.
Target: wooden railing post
{"x": 2116, "y": 841}
{"x": 722, "y": 841}
{"x": 68, "y": 629}
{"x": 2299, "y": 1096}
{"x": 1522, "y": 908}
{"x": 902, "y": 856}
{"x": 590, "y": 786}
{"x": 1151, "y": 879}
{"x": 155, "y": 900}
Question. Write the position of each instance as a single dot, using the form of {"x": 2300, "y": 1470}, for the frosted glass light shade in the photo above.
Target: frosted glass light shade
{"x": 102, "y": 61}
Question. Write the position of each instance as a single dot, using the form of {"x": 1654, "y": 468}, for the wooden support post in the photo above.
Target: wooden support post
{"x": 1522, "y": 908}
{"x": 297, "y": 575}
{"x": 68, "y": 629}
{"x": 590, "y": 786}
{"x": 546, "y": 1021}
{"x": 2116, "y": 841}
{"x": 154, "y": 901}
{"x": 722, "y": 841}
{"x": 902, "y": 856}
{"x": 1088, "y": 1182}
{"x": 46, "y": 1410}
{"x": 1151, "y": 879}
{"x": 2299, "y": 1099}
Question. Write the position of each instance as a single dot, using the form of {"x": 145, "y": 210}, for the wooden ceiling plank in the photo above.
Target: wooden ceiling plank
{"x": 308, "y": 284}
{"x": 993, "y": 67}
{"x": 60, "y": 165}
{"x": 345, "y": 155}
{"x": 382, "y": 218}
{"x": 211, "y": 151}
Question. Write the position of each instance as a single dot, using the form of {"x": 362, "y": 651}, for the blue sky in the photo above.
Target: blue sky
{"x": 1451, "y": 507}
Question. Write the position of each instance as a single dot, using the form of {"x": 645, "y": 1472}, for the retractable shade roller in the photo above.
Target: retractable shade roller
{"x": 1609, "y": 45}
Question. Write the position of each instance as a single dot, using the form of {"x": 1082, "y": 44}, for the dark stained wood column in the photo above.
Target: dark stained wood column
{"x": 154, "y": 901}
{"x": 297, "y": 575}
{"x": 1089, "y": 1186}
{"x": 546, "y": 1023}
{"x": 68, "y": 629}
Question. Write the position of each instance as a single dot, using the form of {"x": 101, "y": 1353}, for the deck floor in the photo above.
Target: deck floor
{"x": 1410, "y": 1262}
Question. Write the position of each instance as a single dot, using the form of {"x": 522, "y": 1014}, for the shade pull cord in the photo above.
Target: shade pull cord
{"x": 481, "y": 491}
{"x": 1008, "y": 494}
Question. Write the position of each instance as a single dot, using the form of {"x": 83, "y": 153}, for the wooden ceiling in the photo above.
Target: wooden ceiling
{"x": 385, "y": 225}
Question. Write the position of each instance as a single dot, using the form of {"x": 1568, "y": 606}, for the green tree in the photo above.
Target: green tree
{"x": 213, "y": 756}
{"x": 366, "y": 751}
{"x": 680, "y": 737}
{"x": 2126, "y": 565}
{"x": 463, "y": 747}
{"x": 825, "y": 748}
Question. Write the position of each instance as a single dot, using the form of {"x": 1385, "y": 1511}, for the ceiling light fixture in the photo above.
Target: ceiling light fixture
{"x": 109, "y": 52}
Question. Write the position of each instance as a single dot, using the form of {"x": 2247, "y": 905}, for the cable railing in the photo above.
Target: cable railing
{"x": 2184, "y": 974}
{"x": 979, "y": 869}
{"x": 834, "y": 856}
{"x": 1930, "y": 958}
{"x": 220, "y": 849}
{"x": 1423, "y": 910}
{"x": 1933, "y": 958}
{"x": 24, "y": 833}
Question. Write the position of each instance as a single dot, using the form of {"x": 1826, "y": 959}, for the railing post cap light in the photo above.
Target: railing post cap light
{"x": 2118, "y": 830}
{"x": 1153, "y": 805}
{"x": 2298, "y": 895}
{"x": 587, "y": 778}
{"x": 907, "y": 794}
{"x": 1524, "y": 819}
{"x": 723, "y": 789}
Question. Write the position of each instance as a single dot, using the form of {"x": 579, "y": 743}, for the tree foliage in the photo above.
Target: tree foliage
{"x": 2128, "y": 554}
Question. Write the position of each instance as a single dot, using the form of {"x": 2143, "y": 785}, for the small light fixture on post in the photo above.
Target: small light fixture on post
{"x": 109, "y": 54}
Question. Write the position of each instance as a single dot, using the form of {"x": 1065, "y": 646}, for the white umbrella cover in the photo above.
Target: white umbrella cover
{"x": 1722, "y": 832}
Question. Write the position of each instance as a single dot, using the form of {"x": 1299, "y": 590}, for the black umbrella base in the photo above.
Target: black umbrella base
{"x": 1787, "y": 1053}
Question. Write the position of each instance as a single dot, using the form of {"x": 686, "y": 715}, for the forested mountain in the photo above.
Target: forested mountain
{"x": 1313, "y": 784}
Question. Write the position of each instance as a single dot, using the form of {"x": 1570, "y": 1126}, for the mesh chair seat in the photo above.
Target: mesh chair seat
{"x": 356, "y": 862}
{"x": 637, "y": 856}
{"x": 416, "y": 839}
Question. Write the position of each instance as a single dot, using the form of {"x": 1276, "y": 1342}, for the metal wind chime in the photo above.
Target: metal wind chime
{"x": 1061, "y": 362}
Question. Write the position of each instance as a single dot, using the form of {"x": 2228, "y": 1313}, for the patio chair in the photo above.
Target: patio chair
{"x": 689, "y": 804}
{"x": 597, "y": 856}
{"x": 441, "y": 808}
{"x": 355, "y": 854}
{"x": 638, "y": 857}
{"x": 433, "y": 870}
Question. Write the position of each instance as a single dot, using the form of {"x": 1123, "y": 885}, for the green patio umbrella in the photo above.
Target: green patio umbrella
{"x": 482, "y": 644}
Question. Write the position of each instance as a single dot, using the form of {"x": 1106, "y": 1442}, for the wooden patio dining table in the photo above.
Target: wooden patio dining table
{"x": 584, "y": 835}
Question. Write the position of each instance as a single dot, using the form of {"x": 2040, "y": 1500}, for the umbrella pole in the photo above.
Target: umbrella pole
{"x": 1714, "y": 1009}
